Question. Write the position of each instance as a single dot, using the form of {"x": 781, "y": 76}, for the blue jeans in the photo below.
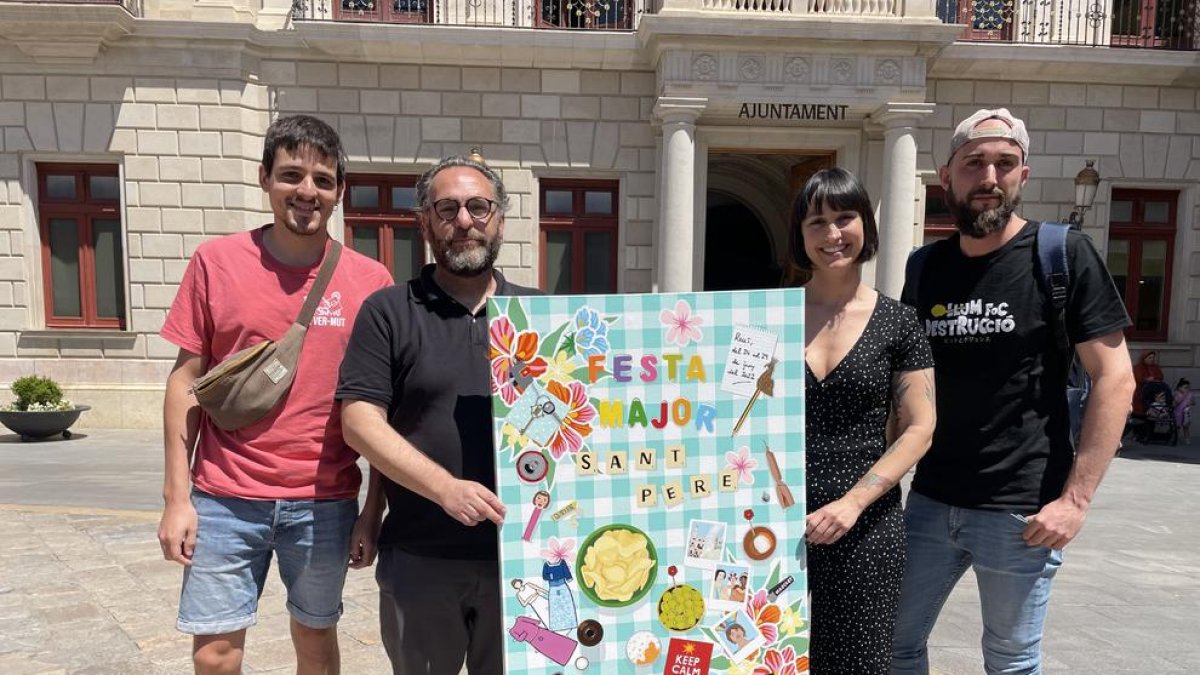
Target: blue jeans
{"x": 1014, "y": 584}
{"x": 234, "y": 542}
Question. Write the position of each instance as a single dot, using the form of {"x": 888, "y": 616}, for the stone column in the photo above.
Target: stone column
{"x": 897, "y": 207}
{"x": 676, "y": 209}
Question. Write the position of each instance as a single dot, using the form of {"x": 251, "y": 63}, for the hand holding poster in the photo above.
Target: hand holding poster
{"x": 640, "y": 528}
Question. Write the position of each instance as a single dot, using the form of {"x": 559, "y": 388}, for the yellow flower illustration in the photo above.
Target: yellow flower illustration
{"x": 744, "y": 668}
{"x": 790, "y": 622}
{"x": 560, "y": 367}
{"x": 512, "y": 437}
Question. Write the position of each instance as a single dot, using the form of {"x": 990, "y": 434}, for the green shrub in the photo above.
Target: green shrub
{"x": 37, "y": 393}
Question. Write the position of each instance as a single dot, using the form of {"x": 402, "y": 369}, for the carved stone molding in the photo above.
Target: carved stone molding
{"x": 797, "y": 69}
{"x": 704, "y": 67}
{"x": 732, "y": 67}
{"x": 888, "y": 71}
{"x": 750, "y": 68}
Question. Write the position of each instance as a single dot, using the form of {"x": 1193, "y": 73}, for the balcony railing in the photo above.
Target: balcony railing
{"x": 1150, "y": 24}
{"x": 591, "y": 15}
{"x": 816, "y": 7}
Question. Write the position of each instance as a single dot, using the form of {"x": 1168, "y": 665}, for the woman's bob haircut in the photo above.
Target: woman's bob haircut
{"x": 839, "y": 190}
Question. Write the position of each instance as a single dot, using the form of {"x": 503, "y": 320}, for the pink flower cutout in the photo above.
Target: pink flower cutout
{"x": 766, "y": 615}
{"x": 682, "y": 325}
{"x": 743, "y": 463}
{"x": 513, "y": 358}
{"x": 778, "y": 662}
{"x": 576, "y": 423}
{"x": 559, "y": 550}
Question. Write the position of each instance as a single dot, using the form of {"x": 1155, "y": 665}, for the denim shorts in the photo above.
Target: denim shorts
{"x": 234, "y": 543}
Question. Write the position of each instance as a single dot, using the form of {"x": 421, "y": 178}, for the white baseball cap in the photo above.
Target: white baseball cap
{"x": 967, "y": 130}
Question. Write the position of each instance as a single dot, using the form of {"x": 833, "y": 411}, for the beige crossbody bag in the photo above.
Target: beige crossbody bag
{"x": 243, "y": 388}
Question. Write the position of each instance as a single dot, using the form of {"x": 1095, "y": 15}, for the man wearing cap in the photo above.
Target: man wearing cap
{"x": 1002, "y": 490}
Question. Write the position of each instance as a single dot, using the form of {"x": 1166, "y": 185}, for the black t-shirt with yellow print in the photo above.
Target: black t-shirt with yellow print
{"x": 1002, "y": 437}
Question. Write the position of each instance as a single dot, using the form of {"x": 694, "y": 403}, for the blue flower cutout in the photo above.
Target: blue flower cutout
{"x": 591, "y": 332}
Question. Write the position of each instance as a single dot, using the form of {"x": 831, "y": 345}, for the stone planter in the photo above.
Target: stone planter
{"x": 42, "y": 423}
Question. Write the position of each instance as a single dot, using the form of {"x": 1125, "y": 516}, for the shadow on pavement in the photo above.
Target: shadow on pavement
{"x": 15, "y": 439}
{"x": 1183, "y": 454}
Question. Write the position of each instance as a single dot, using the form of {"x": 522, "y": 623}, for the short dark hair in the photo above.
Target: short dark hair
{"x": 1183, "y": 381}
{"x": 838, "y": 189}
{"x": 295, "y": 131}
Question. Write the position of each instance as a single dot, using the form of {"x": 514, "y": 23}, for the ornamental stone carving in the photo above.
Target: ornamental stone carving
{"x": 751, "y": 68}
{"x": 888, "y": 72}
{"x": 797, "y": 69}
{"x": 704, "y": 67}
{"x": 843, "y": 71}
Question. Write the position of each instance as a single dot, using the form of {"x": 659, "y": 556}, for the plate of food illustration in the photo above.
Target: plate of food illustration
{"x": 616, "y": 565}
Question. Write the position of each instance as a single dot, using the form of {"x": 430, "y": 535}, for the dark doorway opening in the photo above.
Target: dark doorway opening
{"x": 737, "y": 249}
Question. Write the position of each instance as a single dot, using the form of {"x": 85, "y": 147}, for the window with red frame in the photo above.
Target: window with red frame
{"x": 578, "y": 236}
{"x": 939, "y": 222}
{"x": 381, "y": 222}
{"x": 83, "y": 264}
{"x": 1141, "y": 248}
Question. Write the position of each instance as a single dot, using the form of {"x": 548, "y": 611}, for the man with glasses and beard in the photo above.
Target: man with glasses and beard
{"x": 416, "y": 402}
{"x": 1002, "y": 489}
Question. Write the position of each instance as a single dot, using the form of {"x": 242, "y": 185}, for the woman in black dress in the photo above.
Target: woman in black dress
{"x": 870, "y": 417}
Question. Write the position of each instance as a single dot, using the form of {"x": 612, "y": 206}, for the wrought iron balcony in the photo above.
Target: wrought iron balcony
{"x": 592, "y": 15}
{"x": 1147, "y": 24}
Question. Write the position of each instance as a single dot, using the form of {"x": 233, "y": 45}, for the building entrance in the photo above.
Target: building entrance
{"x": 747, "y": 213}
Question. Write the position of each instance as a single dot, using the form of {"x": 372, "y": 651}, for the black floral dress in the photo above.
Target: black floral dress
{"x": 855, "y": 581}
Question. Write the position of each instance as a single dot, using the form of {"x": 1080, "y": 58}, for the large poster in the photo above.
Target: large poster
{"x": 650, "y": 450}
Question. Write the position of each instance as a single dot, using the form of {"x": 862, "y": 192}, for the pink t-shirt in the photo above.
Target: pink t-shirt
{"x": 235, "y": 294}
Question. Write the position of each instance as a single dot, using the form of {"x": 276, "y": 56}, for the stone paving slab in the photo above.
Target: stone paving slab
{"x": 83, "y": 588}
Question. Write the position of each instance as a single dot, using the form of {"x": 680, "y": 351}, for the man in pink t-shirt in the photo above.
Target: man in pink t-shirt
{"x": 288, "y": 484}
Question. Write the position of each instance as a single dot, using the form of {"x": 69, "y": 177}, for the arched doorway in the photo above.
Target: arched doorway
{"x": 738, "y": 254}
{"x": 746, "y": 218}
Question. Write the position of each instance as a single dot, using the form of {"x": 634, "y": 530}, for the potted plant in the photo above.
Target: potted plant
{"x": 39, "y": 410}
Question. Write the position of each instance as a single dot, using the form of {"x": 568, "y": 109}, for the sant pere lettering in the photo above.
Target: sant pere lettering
{"x": 794, "y": 111}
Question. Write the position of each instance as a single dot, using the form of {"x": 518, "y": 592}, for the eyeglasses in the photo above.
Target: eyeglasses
{"x": 479, "y": 208}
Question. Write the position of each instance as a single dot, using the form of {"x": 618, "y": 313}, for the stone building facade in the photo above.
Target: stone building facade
{"x": 657, "y": 151}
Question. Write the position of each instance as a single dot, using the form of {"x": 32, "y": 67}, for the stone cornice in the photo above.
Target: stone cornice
{"x": 41, "y": 33}
{"x": 659, "y": 34}
{"x": 1054, "y": 63}
{"x": 897, "y": 114}
{"x": 473, "y": 46}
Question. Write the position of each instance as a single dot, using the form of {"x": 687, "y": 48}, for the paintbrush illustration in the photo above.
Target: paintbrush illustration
{"x": 782, "y": 491}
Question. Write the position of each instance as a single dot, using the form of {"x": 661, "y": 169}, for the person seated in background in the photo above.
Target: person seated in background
{"x": 1146, "y": 370}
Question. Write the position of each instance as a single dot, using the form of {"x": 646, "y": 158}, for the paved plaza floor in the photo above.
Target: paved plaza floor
{"x": 83, "y": 588}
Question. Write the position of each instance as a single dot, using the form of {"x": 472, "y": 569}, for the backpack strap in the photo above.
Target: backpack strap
{"x": 1052, "y": 263}
{"x": 913, "y": 269}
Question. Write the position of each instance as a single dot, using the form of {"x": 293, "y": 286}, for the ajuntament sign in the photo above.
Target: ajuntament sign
{"x": 830, "y": 112}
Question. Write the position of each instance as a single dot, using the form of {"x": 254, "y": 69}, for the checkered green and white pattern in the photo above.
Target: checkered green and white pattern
{"x": 636, "y": 329}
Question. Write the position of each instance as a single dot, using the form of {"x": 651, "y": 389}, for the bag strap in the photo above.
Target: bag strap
{"x": 913, "y": 269}
{"x": 1055, "y": 274}
{"x": 318, "y": 287}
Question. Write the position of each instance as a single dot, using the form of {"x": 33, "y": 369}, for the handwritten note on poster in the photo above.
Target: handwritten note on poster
{"x": 750, "y": 351}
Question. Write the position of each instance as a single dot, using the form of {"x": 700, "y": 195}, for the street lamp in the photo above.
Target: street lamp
{"x": 1086, "y": 182}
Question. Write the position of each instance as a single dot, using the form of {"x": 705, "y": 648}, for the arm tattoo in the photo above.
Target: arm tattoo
{"x": 874, "y": 480}
{"x": 900, "y": 387}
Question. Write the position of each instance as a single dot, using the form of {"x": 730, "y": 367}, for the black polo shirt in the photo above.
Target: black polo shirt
{"x": 424, "y": 357}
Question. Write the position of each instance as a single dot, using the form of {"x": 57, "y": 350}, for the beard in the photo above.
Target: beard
{"x": 470, "y": 262}
{"x": 305, "y": 227}
{"x": 976, "y": 223}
